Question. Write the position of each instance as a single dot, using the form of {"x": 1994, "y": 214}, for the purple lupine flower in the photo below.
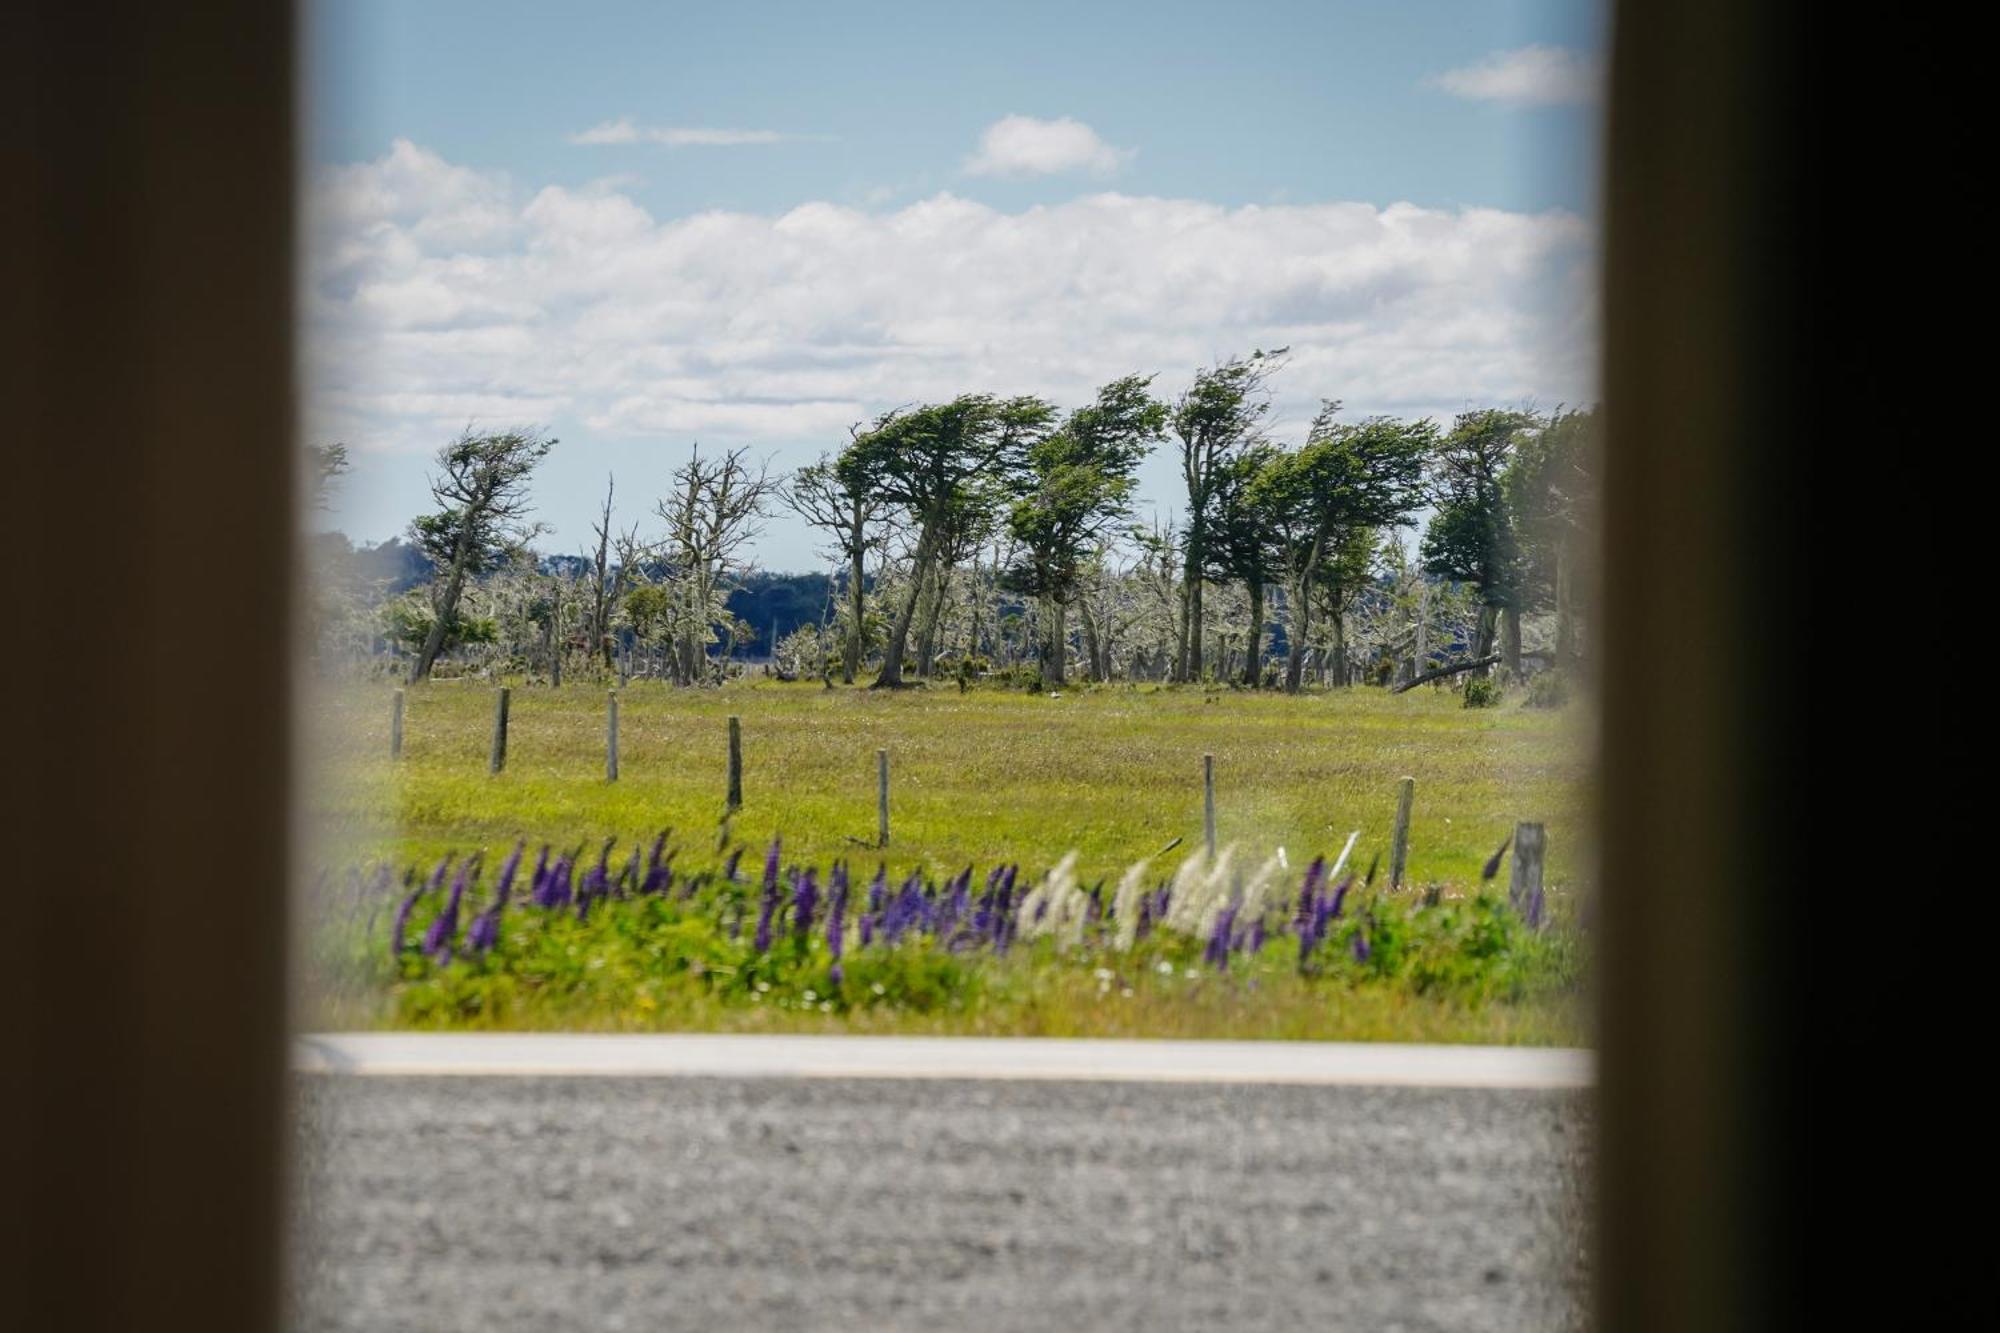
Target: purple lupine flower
{"x": 398, "y": 932}
{"x": 729, "y": 866}
{"x": 1359, "y": 946}
{"x": 1309, "y": 894}
{"x": 1492, "y": 866}
{"x": 836, "y": 918}
{"x": 596, "y": 882}
{"x": 630, "y": 878}
{"x": 436, "y": 880}
{"x": 867, "y": 929}
{"x": 805, "y": 899}
{"x": 1007, "y": 911}
{"x": 1255, "y": 943}
{"x": 878, "y": 887}
{"x": 657, "y": 876}
{"x": 536, "y": 880}
{"x": 484, "y": 932}
{"x": 762, "y": 943}
{"x": 507, "y": 869}
{"x": 437, "y": 940}
{"x": 1217, "y": 952}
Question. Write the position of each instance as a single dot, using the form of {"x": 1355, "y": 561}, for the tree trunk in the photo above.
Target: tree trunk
{"x": 1489, "y": 617}
{"x": 899, "y": 629}
{"x": 1510, "y": 642}
{"x": 1298, "y": 614}
{"x": 850, "y": 661}
{"x": 443, "y": 612}
{"x": 1055, "y": 652}
{"x": 1337, "y": 651}
{"x": 1253, "y": 656}
{"x": 1565, "y": 611}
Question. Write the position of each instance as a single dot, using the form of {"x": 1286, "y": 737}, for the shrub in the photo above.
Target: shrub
{"x": 1482, "y": 692}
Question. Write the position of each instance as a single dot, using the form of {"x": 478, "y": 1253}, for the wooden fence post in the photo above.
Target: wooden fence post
{"x": 1208, "y": 802}
{"x": 611, "y": 738}
{"x": 735, "y": 762}
{"x": 498, "y": 759}
{"x": 1399, "y": 841}
{"x": 882, "y": 798}
{"x": 396, "y": 727}
{"x": 1525, "y": 885}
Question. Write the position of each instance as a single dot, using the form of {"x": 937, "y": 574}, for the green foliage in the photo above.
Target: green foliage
{"x": 1461, "y": 967}
{"x": 1481, "y": 692}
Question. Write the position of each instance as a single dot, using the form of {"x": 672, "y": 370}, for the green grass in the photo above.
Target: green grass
{"x": 1113, "y": 773}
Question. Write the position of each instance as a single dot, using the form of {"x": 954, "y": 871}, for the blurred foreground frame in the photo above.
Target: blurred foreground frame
{"x": 149, "y": 365}
{"x": 146, "y": 244}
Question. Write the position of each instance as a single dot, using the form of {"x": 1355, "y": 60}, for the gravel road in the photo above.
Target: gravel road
{"x": 545, "y": 1203}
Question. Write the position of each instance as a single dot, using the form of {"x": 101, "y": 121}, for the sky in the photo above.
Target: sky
{"x": 644, "y": 226}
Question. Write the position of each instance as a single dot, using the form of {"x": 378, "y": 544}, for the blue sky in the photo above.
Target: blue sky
{"x": 473, "y": 260}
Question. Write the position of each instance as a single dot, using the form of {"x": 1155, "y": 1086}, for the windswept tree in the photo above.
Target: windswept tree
{"x": 848, "y": 516}
{"x": 481, "y": 489}
{"x": 1220, "y": 415}
{"x": 939, "y": 466}
{"x": 1471, "y": 538}
{"x": 716, "y": 509}
{"x": 1551, "y": 489}
{"x": 1242, "y": 541}
{"x": 1326, "y": 502}
{"x": 326, "y": 464}
{"x": 1076, "y": 486}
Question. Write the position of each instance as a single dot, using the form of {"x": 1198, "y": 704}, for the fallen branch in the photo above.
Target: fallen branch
{"x": 1442, "y": 672}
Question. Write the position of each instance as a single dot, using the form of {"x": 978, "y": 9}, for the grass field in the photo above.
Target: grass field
{"x": 1113, "y": 774}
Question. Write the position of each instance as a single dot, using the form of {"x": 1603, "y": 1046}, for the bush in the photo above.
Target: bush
{"x": 1482, "y": 692}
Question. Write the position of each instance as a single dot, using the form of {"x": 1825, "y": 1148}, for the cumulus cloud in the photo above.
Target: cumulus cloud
{"x": 624, "y": 130}
{"x": 1026, "y": 146}
{"x": 437, "y": 295}
{"x": 1530, "y": 76}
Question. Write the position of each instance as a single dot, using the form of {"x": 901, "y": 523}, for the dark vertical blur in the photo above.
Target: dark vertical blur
{"x": 145, "y": 306}
{"x": 1717, "y": 397}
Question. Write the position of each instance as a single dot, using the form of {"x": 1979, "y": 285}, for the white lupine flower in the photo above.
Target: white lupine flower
{"x": 1059, "y": 904}
{"x": 1125, "y": 904}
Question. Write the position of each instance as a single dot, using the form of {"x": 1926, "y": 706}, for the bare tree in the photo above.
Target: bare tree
{"x": 481, "y": 487}
{"x": 715, "y": 510}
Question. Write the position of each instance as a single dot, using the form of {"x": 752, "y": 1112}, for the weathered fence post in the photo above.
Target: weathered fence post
{"x": 882, "y": 798}
{"x": 498, "y": 760}
{"x": 1525, "y": 886}
{"x": 1208, "y": 802}
{"x": 611, "y": 738}
{"x": 396, "y": 727}
{"x": 735, "y": 762}
{"x": 1399, "y": 841}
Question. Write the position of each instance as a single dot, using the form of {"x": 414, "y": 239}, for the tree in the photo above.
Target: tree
{"x": 326, "y": 464}
{"x": 716, "y": 508}
{"x": 1077, "y": 485}
{"x": 481, "y": 488}
{"x": 819, "y": 496}
{"x": 940, "y": 465}
{"x": 1326, "y": 502}
{"x": 1471, "y": 536}
{"x": 1550, "y": 487}
{"x": 1219, "y": 415}
{"x": 1241, "y": 539}
{"x": 608, "y": 577}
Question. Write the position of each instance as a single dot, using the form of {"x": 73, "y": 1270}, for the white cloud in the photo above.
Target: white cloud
{"x": 437, "y": 295}
{"x": 623, "y": 130}
{"x": 1530, "y": 76}
{"x": 1026, "y": 146}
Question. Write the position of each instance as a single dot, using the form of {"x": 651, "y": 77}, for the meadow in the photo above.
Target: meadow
{"x": 985, "y": 778}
